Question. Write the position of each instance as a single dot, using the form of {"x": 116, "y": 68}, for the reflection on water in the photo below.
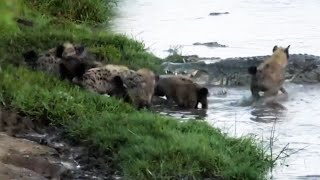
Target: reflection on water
{"x": 266, "y": 115}
{"x": 298, "y": 126}
{"x": 175, "y": 111}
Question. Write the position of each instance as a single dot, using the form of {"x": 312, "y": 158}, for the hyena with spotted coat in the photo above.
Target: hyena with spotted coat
{"x": 135, "y": 87}
{"x": 49, "y": 61}
{"x": 64, "y": 60}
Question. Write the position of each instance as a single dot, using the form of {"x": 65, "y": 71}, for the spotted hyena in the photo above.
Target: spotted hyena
{"x": 135, "y": 87}
{"x": 64, "y": 60}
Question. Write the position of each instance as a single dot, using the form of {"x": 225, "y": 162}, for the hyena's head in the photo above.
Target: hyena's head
{"x": 138, "y": 87}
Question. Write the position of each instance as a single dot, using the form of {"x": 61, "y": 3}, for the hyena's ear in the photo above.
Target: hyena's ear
{"x": 274, "y": 48}
{"x": 286, "y": 50}
{"x": 79, "y": 49}
{"x": 59, "y": 50}
{"x": 252, "y": 70}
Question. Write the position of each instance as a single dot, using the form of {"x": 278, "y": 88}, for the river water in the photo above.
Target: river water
{"x": 251, "y": 28}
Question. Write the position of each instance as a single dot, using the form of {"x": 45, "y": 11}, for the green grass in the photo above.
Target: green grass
{"x": 8, "y": 10}
{"x": 80, "y": 11}
{"x": 48, "y": 31}
{"x": 144, "y": 145}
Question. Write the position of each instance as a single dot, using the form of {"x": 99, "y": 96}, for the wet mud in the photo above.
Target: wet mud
{"x": 31, "y": 149}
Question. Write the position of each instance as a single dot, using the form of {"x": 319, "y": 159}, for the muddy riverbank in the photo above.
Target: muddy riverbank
{"x": 30, "y": 149}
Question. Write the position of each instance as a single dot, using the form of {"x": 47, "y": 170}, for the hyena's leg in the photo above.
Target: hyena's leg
{"x": 255, "y": 92}
{"x": 283, "y": 90}
{"x": 271, "y": 92}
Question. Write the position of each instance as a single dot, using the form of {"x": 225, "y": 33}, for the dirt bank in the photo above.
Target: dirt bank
{"x": 27, "y": 159}
{"x": 31, "y": 150}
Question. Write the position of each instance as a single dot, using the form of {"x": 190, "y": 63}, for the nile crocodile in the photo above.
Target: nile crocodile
{"x": 302, "y": 68}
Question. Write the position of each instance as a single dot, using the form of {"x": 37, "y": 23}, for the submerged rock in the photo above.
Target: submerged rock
{"x": 209, "y": 44}
{"x": 218, "y": 13}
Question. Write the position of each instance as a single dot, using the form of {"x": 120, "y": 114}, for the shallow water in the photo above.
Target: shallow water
{"x": 252, "y": 28}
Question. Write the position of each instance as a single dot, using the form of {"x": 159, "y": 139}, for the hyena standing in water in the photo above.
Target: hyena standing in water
{"x": 269, "y": 76}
